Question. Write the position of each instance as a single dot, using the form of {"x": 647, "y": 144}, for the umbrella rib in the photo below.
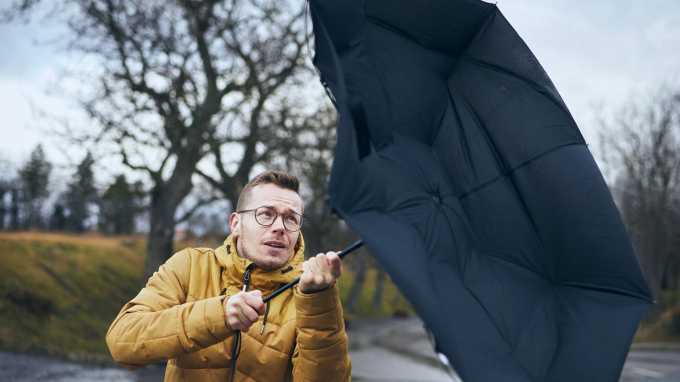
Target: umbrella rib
{"x": 500, "y": 332}
{"x": 464, "y": 138}
{"x": 523, "y": 266}
{"x": 487, "y": 19}
{"x": 548, "y": 270}
{"x": 605, "y": 289}
{"x": 478, "y": 123}
{"x": 519, "y": 166}
{"x": 382, "y": 24}
{"x": 506, "y": 173}
{"x": 536, "y": 87}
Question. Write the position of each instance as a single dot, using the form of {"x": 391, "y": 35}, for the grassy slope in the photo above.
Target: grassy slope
{"x": 63, "y": 291}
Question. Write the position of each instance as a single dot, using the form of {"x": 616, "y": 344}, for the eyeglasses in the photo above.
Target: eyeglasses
{"x": 266, "y": 216}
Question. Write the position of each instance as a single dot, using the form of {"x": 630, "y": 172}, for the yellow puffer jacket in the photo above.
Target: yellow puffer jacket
{"x": 179, "y": 316}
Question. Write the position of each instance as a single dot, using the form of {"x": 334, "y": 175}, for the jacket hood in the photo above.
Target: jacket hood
{"x": 261, "y": 279}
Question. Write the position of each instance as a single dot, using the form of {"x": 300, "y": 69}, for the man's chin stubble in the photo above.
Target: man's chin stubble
{"x": 268, "y": 265}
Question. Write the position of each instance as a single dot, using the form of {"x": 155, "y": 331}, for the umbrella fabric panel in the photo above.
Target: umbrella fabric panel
{"x": 584, "y": 246}
{"x": 514, "y": 218}
{"x": 500, "y": 48}
{"x": 509, "y": 93}
{"x": 413, "y": 80}
{"x": 463, "y": 148}
{"x": 602, "y": 352}
{"x": 503, "y": 229}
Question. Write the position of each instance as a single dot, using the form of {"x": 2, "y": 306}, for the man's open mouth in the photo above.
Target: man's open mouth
{"x": 275, "y": 245}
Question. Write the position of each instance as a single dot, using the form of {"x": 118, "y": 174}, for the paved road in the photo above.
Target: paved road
{"x": 652, "y": 365}
{"x": 387, "y": 350}
{"x": 29, "y": 368}
{"x": 645, "y": 363}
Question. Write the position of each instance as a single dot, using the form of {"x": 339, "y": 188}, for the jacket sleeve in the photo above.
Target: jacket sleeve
{"x": 321, "y": 352}
{"x": 159, "y": 323}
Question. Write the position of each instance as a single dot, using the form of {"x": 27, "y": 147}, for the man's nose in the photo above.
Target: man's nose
{"x": 278, "y": 223}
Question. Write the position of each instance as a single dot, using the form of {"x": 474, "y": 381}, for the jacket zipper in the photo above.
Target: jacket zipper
{"x": 246, "y": 277}
{"x": 236, "y": 350}
{"x": 246, "y": 284}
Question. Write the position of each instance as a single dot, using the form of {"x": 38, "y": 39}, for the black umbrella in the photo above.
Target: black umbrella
{"x": 464, "y": 173}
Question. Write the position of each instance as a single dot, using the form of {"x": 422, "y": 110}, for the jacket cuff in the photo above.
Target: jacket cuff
{"x": 224, "y": 312}
{"x": 319, "y": 302}
{"x": 216, "y": 317}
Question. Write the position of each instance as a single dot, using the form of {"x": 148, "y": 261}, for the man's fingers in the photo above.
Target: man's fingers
{"x": 254, "y": 300}
{"x": 321, "y": 270}
{"x": 250, "y": 316}
{"x": 244, "y": 323}
{"x": 244, "y": 309}
{"x": 319, "y": 264}
{"x": 334, "y": 263}
{"x": 235, "y": 316}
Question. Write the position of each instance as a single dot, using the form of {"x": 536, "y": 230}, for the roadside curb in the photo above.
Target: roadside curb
{"x": 19, "y": 346}
{"x": 651, "y": 346}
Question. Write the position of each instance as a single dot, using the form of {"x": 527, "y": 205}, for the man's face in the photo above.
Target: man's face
{"x": 269, "y": 247}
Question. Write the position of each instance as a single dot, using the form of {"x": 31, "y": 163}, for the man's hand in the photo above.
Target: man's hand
{"x": 320, "y": 272}
{"x": 244, "y": 309}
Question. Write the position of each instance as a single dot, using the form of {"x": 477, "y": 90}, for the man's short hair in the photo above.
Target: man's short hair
{"x": 280, "y": 178}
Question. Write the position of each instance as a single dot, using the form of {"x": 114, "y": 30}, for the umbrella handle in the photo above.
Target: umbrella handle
{"x": 342, "y": 254}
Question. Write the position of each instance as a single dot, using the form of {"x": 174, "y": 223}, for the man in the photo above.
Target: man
{"x": 203, "y": 309}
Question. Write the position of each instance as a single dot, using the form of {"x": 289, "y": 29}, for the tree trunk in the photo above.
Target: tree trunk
{"x": 165, "y": 198}
{"x": 161, "y": 238}
{"x": 14, "y": 223}
{"x": 379, "y": 283}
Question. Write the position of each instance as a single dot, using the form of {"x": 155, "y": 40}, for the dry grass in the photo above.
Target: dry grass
{"x": 666, "y": 329}
{"x": 63, "y": 291}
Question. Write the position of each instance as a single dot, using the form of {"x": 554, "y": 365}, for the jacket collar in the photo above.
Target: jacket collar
{"x": 265, "y": 280}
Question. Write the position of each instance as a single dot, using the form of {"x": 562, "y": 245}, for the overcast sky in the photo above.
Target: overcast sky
{"x": 596, "y": 53}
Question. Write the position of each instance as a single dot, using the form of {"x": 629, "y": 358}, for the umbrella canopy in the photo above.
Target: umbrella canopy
{"x": 464, "y": 173}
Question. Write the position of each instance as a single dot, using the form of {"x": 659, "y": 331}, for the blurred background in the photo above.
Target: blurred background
{"x": 129, "y": 128}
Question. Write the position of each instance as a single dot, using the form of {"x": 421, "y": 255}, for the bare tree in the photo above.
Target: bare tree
{"x": 643, "y": 142}
{"x": 310, "y": 157}
{"x": 176, "y": 82}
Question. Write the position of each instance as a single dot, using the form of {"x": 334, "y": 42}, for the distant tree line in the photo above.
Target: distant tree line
{"x": 641, "y": 142}
{"x": 80, "y": 207}
{"x": 115, "y": 208}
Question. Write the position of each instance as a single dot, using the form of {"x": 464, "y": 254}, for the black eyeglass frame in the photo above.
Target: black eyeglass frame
{"x": 283, "y": 217}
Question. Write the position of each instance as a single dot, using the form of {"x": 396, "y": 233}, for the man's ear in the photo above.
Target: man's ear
{"x": 235, "y": 224}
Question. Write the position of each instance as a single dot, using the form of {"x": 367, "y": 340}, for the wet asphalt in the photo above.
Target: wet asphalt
{"x": 386, "y": 350}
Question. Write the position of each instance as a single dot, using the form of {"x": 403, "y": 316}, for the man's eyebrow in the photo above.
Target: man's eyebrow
{"x": 286, "y": 210}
